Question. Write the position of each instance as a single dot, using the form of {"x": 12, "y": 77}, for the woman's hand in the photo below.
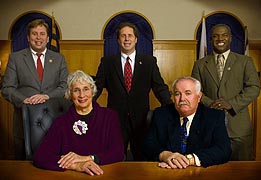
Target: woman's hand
{"x": 89, "y": 167}
{"x": 79, "y": 163}
{"x": 67, "y": 160}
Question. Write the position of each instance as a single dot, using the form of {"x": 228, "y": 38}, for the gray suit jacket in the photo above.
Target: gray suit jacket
{"x": 239, "y": 86}
{"x": 21, "y": 78}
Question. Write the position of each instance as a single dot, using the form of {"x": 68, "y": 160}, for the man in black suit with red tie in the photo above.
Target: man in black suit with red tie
{"x": 131, "y": 101}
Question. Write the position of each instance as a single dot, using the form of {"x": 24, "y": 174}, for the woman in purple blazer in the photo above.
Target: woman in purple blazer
{"x": 85, "y": 137}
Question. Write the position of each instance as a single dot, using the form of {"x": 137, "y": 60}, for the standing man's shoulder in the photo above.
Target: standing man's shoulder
{"x": 111, "y": 57}
{"x": 54, "y": 54}
{"x": 146, "y": 57}
{"x": 22, "y": 52}
{"x": 165, "y": 111}
{"x": 239, "y": 56}
{"x": 205, "y": 59}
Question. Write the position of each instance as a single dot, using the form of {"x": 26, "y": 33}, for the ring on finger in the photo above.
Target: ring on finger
{"x": 173, "y": 159}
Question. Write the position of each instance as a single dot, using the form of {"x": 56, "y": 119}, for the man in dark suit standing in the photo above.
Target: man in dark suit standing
{"x": 128, "y": 94}
{"x": 187, "y": 133}
{"x": 230, "y": 82}
{"x": 24, "y": 84}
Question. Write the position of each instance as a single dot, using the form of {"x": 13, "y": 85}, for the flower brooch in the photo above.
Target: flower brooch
{"x": 80, "y": 127}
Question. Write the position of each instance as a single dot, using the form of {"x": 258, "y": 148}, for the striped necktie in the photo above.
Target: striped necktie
{"x": 220, "y": 65}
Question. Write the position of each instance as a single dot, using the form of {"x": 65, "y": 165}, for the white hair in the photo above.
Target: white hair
{"x": 196, "y": 82}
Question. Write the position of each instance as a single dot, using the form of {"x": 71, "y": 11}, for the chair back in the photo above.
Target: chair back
{"x": 37, "y": 119}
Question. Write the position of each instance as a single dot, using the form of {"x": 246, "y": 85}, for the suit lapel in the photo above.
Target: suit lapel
{"x": 212, "y": 69}
{"x": 138, "y": 65}
{"x": 118, "y": 69}
{"x": 228, "y": 66}
{"x": 194, "y": 133}
{"x": 29, "y": 61}
{"x": 174, "y": 132}
{"x": 48, "y": 62}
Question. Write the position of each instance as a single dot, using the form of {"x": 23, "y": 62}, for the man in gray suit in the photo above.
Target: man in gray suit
{"x": 231, "y": 86}
{"x": 23, "y": 85}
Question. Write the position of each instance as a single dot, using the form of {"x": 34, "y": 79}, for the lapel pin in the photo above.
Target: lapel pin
{"x": 50, "y": 60}
{"x": 229, "y": 68}
{"x": 140, "y": 62}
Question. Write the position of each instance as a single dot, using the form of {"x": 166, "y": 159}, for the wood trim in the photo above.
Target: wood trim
{"x": 81, "y": 44}
{"x": 254, "y": 44}
{"x": 174, "y": 44}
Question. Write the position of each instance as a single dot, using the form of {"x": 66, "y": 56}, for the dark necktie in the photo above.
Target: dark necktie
{"x": 183, "y": 135}
{"x": 39, "y": 66}
{"x": 220, "y": 65}
{"x": 127, "y": 74}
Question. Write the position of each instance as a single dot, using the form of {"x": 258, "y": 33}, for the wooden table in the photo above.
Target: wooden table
{"x": 24, "y": 170}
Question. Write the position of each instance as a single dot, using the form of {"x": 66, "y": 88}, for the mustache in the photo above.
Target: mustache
{"x": 182, "y": 103}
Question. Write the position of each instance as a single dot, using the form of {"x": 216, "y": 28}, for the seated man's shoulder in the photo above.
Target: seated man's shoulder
{"x": 165, "y": 110}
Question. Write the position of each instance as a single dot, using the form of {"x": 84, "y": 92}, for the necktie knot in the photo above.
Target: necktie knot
{"x": 39, "y": 55}
{"x": 128, "y": 59}
{"x": 220, "y": 59}
{"x": 185, "y": 120}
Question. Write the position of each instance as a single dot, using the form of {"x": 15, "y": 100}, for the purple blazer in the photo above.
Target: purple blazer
{"x": 102, "y": 139}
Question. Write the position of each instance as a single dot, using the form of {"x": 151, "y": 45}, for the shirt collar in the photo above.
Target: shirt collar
{"x": 131, "y": 56}
{"x": 224, "y": 53}
{"x": 34, "y": 52}
{"x": 190, "y": 117}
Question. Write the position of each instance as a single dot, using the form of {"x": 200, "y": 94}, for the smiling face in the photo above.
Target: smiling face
{"x": 38, "y": 38}
{"x": 82, "y": 97}
{"x": 221, "y": 39}
{"x": 186, "y": 98}
{"x": 127, "y": 40}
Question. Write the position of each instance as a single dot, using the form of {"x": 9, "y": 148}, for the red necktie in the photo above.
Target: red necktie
{"x": 39, "y": 66}
{"x": 127, "y": 74}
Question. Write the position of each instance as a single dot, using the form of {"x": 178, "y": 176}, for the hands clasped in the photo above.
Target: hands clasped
{"x": 36, "y": 99}
{"x": 79, "y": 163}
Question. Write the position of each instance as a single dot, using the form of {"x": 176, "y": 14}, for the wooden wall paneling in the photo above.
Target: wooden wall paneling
{"x": 5, "y": 49}
{"x": 175, "y": 58}
{"x": 84, "y": 55}
{"x": 255, "y": 107}
{"x": 6, "y": 109}
{"x": 6, "y": 129}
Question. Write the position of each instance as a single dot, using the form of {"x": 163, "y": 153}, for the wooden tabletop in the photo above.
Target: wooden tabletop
{"x": 236, "y": 170}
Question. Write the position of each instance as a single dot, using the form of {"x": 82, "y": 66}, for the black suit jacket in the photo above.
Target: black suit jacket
{"x": 208, "y": 137}
{"x": 146, "y": 76}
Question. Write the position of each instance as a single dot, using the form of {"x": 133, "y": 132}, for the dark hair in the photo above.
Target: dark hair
{"x": 124, "y": 24}
{"x": 221, "y": 25}
{"x": 35, "y": 23}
